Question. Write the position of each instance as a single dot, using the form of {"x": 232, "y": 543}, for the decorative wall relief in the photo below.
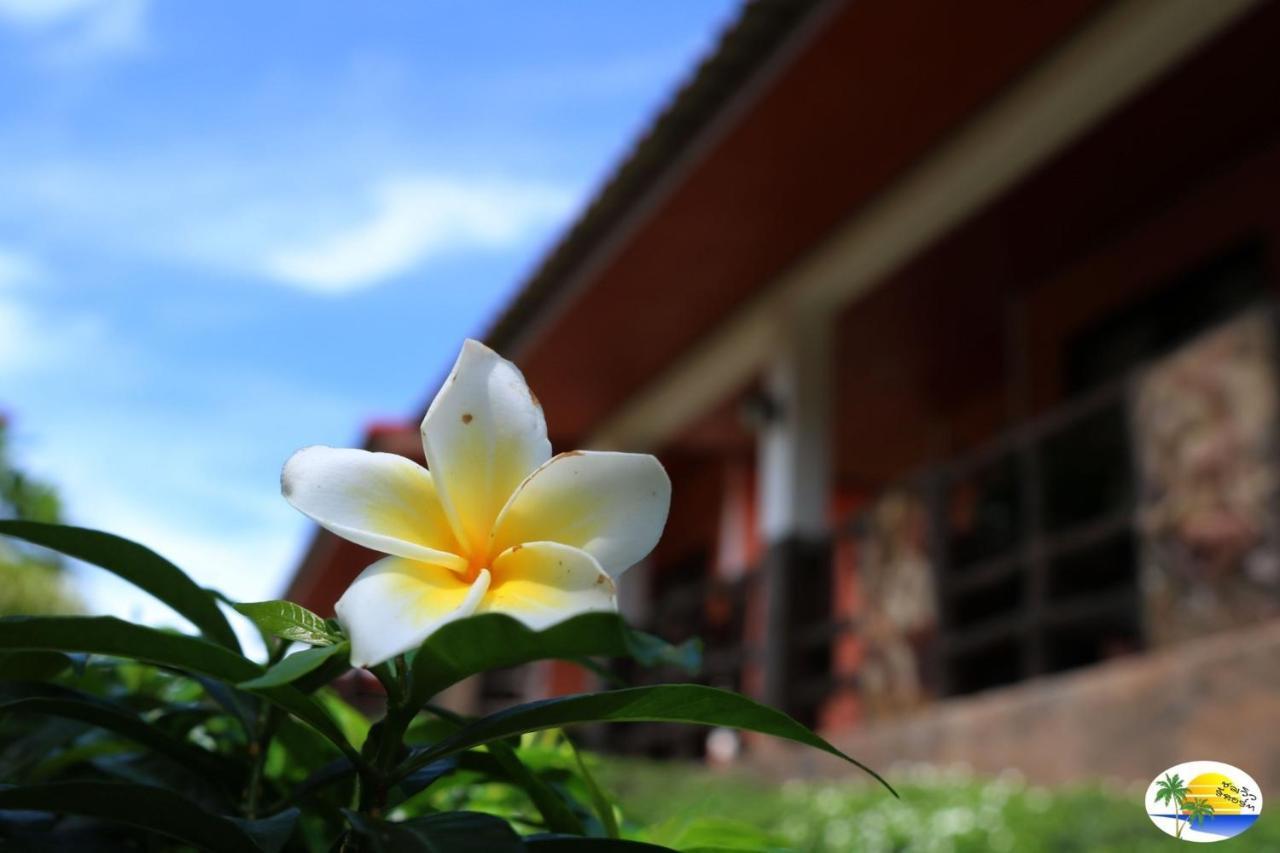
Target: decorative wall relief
{"x": 1204, "y": 424}
{"x": 898, "y": 620}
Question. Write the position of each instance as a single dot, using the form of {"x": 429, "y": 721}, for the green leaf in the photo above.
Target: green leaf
{"x": 289, "y": 621}
{"x": 73, "y": 705}
{"x": 353, "y": 724}
{"x": 554, "y": 810}
{"x": 493, "y": 641}
{"x": 655, "y": 651}
{"x": 179, "y": 719}
{"x": 607, "y": 676}
{"x": 295, "y": 666}
{"x": 602, "y": 805}
{"x": 447, "y": 832}
{"x": 269, "y": 833}
{"x": 673, "y": 703}
{"x": 153, "y": 809}
{"x": 500, "y": 764}
{"x": 332, "y": 669}
{"x": 137, "y": 564}
{"x": 17, "y": 755}
{"x": 575, "y": 844}
{"x": 306, "y": 749}
{"x": 236, "y": 704}
{"x": 424, "y": 777}
{"x": 325, "y": 674}
{"x": 32, "y": 666}
{"x": 106, "y": 635}
{"x": 149, "y": 769}
{"x": 722, "y": 835}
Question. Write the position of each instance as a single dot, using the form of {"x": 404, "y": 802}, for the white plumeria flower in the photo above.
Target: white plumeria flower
{"x": 497, "y": 525}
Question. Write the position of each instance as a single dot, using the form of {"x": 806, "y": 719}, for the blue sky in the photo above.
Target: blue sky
{"x": 229, "y": 230}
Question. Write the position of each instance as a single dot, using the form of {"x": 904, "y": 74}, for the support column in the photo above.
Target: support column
{"x": 795, "y": 465}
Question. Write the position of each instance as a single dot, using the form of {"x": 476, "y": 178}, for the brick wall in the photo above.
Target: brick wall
{"x": 1128, "y": 719}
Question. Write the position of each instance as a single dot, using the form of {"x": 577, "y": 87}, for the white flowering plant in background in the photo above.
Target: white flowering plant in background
{"x": 496, "y": 554}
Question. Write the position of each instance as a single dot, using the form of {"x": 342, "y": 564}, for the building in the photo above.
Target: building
{"x": 953, "y": 324}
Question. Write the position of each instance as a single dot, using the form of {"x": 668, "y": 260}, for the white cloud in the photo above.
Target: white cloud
{"x": 37, "y": 14}
{"x": 77, "y": 31}
{"x": 413, "y": 220}
{"x": 274, "y": 220}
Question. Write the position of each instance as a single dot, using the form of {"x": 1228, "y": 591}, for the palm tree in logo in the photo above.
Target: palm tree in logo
{"x": 1171, "y": 790}
{"x": 1197, "y": 809}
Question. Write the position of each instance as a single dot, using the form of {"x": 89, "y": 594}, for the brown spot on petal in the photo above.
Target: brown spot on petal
{"x": 567, "y": 454}
{"x": 467, "y": 417}
{"x": 534, "y": 398}
{"x": 599, "y": 579}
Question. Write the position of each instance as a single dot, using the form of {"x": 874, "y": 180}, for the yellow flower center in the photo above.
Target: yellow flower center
{"x": 475, "y": 564}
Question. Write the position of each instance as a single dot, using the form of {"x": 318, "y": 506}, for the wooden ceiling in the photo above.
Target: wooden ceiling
{"x": 875, "y": 88}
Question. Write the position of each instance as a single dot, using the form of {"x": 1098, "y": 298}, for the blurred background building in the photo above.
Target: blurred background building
{"x": 954, "y": 325}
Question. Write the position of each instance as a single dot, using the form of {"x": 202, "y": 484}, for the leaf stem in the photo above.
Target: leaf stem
{"x": 258, "y": 749}
{"x": 375, "y": 784}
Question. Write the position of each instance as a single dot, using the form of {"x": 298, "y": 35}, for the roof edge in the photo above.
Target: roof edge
{"x": 749, "y": 52}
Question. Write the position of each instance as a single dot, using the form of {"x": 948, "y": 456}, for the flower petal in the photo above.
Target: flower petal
{"x": 395, "y": 604}
{"x": 482, "y": 434}
{"x": 611, "y": 505}
{"x": 542, "y": 583}
{"x": 379, "y": 500}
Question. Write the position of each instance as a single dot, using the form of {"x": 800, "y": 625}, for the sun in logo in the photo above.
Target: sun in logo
{"x": 1204, "y": 801}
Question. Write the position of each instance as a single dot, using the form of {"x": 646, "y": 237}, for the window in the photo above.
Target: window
{"x": 1223, "y": 286}
{"x": 1039, "y": 564}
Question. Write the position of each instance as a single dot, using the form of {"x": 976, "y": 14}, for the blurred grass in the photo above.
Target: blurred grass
{"x": 940, "y": 812}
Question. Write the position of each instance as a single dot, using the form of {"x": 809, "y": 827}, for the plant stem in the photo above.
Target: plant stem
{"x": 258, "y": 753}
{"x": 390, "y": 733}
{"x": 268, "y": 720}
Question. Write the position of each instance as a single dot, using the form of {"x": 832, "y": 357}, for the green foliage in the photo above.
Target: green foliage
{"x": 664, "y": 703}
{"x": 148, "y": 807}
{"x": 604, "y": 809}
{"x": 493, "y": 641}
{"x": 295, "y": 666}
{"x": 107, "y": 635}
{"x": 32, "y": 580}
{"x": 140, "y": 566}
{"x": 22, "y": 496}
{"x": 571, "y": 844}
{"x": 28, "y": 585}
{"x": 121, "y": 736}
{"x": 53, "y": 701}
{"x": 938, "y": 810}
{"x": 289, "y": 621}
{"x": 449, "y": 832}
